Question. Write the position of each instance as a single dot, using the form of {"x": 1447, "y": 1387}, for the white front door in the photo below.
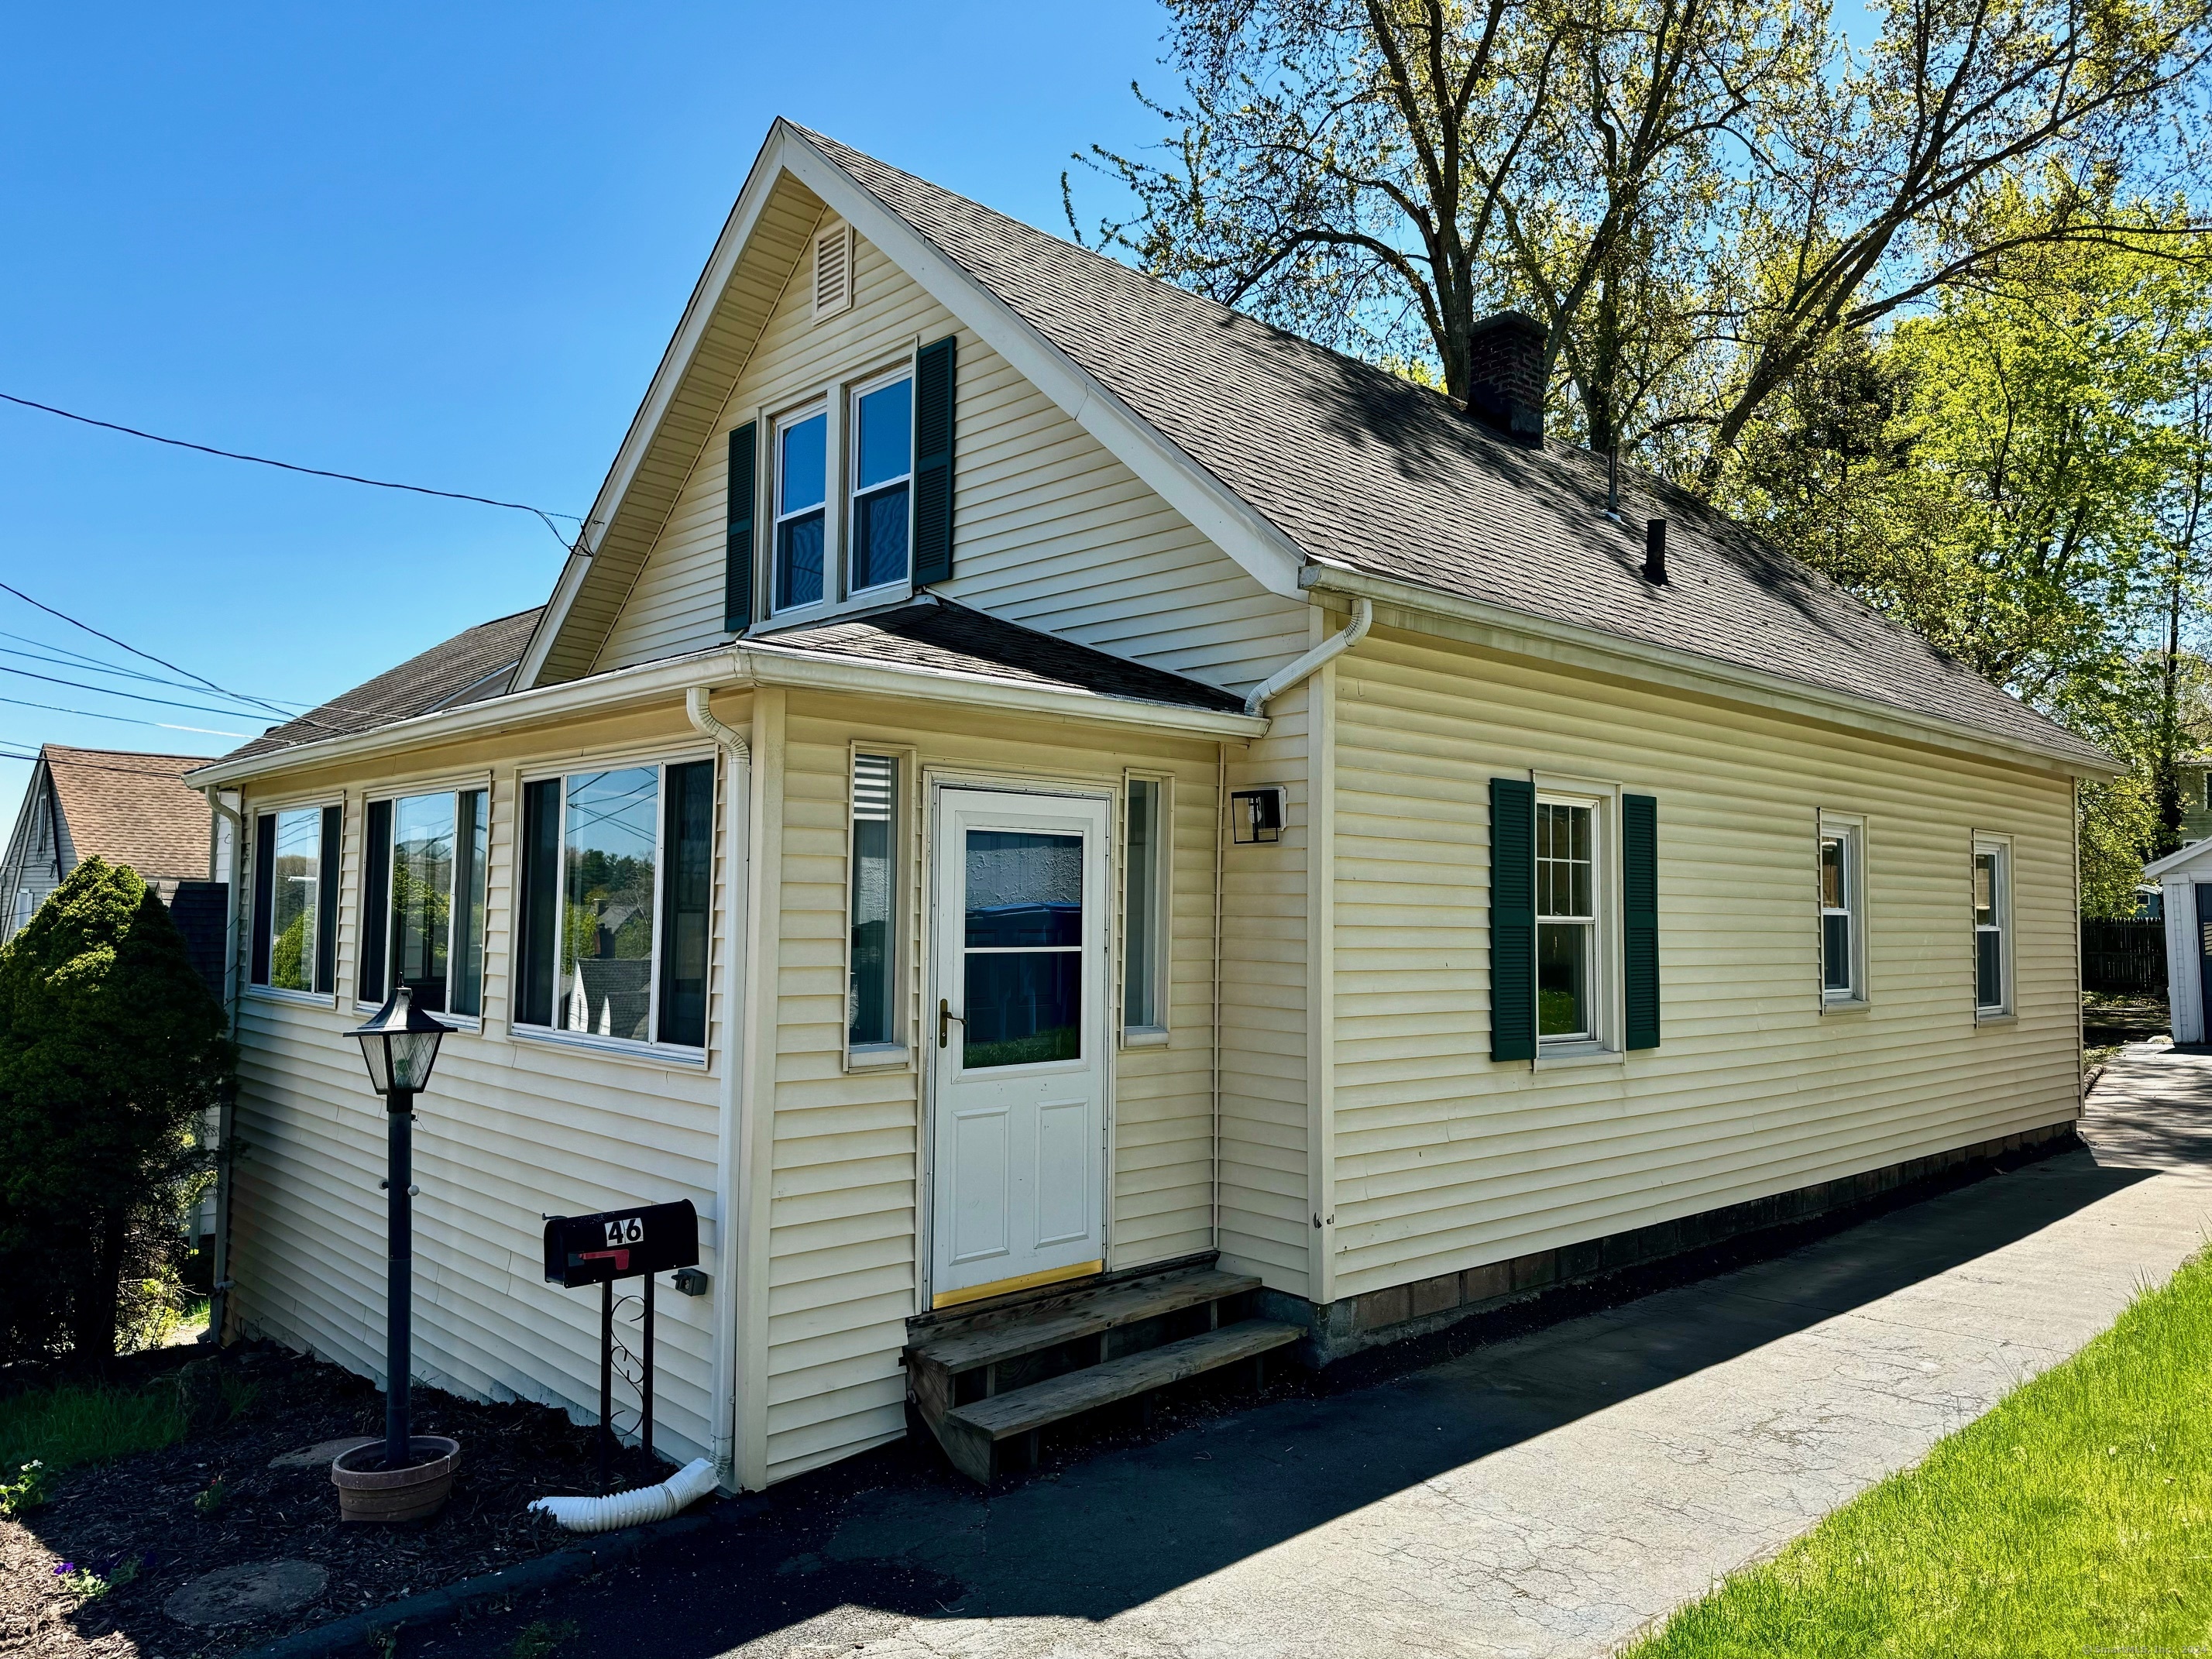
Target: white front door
{"x": 1018, "y": 1019}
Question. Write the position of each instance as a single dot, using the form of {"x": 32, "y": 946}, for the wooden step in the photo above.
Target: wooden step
{"x": 960, "y": 1349}
{"x": 972, "y": 1433}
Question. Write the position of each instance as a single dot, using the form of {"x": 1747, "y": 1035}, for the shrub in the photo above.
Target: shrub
{"x": 110, "y": 1047}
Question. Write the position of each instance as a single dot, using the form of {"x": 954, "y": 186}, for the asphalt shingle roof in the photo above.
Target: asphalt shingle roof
{"x": 132, "y": 808}
{"x": 936, "y": 633}
{"x": 476, "y": 664}
{"x": 1360, "y": 469}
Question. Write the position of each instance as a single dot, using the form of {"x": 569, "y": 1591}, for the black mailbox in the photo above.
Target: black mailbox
{"x": 597, "y": 1249}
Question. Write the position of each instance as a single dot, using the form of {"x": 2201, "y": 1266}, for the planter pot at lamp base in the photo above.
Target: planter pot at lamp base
{"x": 369, "y": 1492}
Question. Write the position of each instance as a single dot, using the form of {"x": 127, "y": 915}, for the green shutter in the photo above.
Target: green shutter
{"x": 738, "y": 564}
{"x": 933, "y": 379}
{"x": 1512, "y": 919}
{"x": 1640, "y": 919}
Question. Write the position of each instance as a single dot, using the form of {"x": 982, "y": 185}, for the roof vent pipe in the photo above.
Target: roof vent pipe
{"x": 1655, "y": 551}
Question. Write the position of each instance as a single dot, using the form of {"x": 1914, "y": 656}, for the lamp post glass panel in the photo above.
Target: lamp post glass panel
{"x": 400, "y": 1046}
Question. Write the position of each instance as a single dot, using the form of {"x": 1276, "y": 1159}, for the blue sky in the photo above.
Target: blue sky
{"x": 439, "y": 245}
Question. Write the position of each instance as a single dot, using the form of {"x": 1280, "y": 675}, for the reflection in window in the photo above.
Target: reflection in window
{"x": 609, "y": 836}
{"x": 874, "y": 945}
{"x": 1839, "y": 914}
{"x": 422, "y": 896}
{"x": 422, "y": 899}
{"x": 801, "y": 488}
{"x": 1023, "y": 979}
{"x": 295, "y": 905}
{"x": 1566, "y": 921}
{"x": 883, "y": 461}
{"x": 1990, "y": 898}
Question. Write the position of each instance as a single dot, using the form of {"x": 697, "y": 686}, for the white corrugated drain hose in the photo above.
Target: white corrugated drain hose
{"x": 634, "y": 1508}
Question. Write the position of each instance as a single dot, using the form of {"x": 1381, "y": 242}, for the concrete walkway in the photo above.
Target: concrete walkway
{"x": 1547, "y": 1496}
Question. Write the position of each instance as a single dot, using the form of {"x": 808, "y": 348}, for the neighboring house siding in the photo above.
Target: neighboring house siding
{"x": 847, "y": 1216}
{"x": 1050, "y": 529}
{"x": 511, "y": 1128}
{"x": 1444, "y": 1160}
{"x": 2196, "y": 808}
{"x": 39, "y": 852}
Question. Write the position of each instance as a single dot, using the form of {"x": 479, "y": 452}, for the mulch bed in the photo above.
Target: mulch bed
{"x": 142, "y": 1508}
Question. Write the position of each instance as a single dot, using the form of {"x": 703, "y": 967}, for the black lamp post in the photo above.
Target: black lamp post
{"x": 400, "y": 1043}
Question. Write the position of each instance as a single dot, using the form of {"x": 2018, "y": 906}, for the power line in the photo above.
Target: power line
{"x": 543, "y": 515}
{"x": 84, "y": 664}
{"x": 125, "y": 719}
{"x": 136, "y": 696}
{"x": 97, "y": 766}
{"x": 148, "y": 656}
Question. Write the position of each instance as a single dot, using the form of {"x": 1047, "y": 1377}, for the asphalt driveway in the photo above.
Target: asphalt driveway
{"x": 1547, "y": 1495}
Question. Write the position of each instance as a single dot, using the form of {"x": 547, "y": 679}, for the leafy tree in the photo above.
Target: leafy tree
{"x": 110, "y": 1047}
{"x": 1696, "y": 197}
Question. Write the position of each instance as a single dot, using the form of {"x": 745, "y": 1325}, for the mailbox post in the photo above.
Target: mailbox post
{"x": 611, "y": 1244}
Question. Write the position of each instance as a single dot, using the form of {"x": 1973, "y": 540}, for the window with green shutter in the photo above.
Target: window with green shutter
{"x": 738, "y": 559}
{"x": 934, "y": 380}
{"x": 1512, "y": 919}
{"x": 1639, "y": 920}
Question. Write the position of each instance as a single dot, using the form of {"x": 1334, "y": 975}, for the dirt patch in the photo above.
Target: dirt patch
{"x": 2109, "y": 1021}
{"x": 151, "y": 1524}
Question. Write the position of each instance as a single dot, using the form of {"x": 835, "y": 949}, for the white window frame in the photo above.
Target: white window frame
{"x": 393, "y": 795}
{"x": 898, "y": 1053}
{"x": 854, "y": 391}
{"x": 1984, "y": 842}
{"x": 826, "y": 408}
{"x": 1851, "y": 829}
{"x": 649, "y": 1049}
{"x": 1602, "y": 1043}
{"x": 1154, "y": 1033}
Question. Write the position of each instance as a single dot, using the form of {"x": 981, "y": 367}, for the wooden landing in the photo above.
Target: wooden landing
{"x": 1004, "y": 1375}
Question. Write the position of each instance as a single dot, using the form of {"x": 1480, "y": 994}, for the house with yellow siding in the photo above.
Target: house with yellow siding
{"x": 1095, "y": 840}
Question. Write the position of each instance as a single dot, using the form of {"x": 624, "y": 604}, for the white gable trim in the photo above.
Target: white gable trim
{"x": 1218, "y": 512}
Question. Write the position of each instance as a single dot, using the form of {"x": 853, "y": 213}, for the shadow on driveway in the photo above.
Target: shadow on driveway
{"x": 857, "y": 1551}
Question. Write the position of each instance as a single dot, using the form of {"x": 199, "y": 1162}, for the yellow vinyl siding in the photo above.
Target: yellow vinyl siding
{"x": 512, "y": 1127}
{"x": 1444, "y": 1160}
{"x": 846, "y": 1223}
{"x": 1050, "y": 529}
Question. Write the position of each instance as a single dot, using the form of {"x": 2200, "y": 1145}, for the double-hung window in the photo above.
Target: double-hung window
{"x": 1567, "y": 944}
{"x": 882, "y": 473}
{"x": 802, "y": 476}
{"x": 618, "y": 879}
{"x": 1842, "y": 876}
{"x": 872, "y": 994}
{"x": 1992, "y": 927}
{"x": 422, "y": 899}
{"x": 295, "y": 880}
{"x": 1143, "y": 909}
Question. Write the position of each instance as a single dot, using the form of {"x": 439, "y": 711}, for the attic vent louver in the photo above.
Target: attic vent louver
{"x": 833, "y": 270}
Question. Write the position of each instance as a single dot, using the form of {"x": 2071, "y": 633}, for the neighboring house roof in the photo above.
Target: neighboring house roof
{"x": 474, "y": 664}
{"x": 937, "y": 634}
{"x": 132, "y": 808}
{"x": 1361, "y": 469}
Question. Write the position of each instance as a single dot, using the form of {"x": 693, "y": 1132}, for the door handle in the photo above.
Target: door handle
{"x": 944, "y": 1017}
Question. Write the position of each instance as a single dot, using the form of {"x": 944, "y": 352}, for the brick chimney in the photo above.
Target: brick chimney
{"x": 1505, "y": 390}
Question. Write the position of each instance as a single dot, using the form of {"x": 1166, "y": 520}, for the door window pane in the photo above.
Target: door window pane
{"x": 295, "y": 900}
{"x": 1022, "y": 986}
{"x": 873, "y": 946}
{"x": 605, "y": 986}
{"x": 422, "y": 897}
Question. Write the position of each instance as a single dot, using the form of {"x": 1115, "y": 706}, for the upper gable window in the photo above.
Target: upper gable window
{"x": 802, "y": 454}
{"x": 883, "y": 470}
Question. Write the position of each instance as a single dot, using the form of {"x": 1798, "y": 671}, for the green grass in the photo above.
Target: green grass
{"x": 72, "y": 1423}
{"x": 2075, "y": 1517}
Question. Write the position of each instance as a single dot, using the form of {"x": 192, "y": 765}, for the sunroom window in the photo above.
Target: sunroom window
{"x": 617, "y": 885}
{"x": 802, "y": 457}
{"x": 422, "y": 899}
{"x": 295, "y": 899}
{"x": 883, "y": 468}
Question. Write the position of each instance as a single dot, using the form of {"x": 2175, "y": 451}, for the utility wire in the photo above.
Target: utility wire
{"x": 136, "y": 696}
{"x": 543, "y": 515}
{"x": 125, "y": 719}
{"x": 84, "y": 664}
{"x": 201, "y": 679}
{"x": 96, "y": 765}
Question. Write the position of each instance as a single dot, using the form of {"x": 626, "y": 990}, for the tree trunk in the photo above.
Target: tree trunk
{"x": 97, "y": 1312}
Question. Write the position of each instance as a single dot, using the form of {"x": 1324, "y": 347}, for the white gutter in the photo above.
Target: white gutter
{"x": 1363, "y": 618}
{"x": 1525, "y": 635}
{"x": 736, "y": 797}
{"x": 225, "y": 1111}
{"x": 760, "y": 662}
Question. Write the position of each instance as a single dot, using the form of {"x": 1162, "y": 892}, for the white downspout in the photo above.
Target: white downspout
{"x": 225, "y": 1111}
{"x": 1363, "y": 618}
{"x": 736, "y": 796}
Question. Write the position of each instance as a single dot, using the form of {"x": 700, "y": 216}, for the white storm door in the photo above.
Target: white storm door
{"x": 1018, "y": 1024}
